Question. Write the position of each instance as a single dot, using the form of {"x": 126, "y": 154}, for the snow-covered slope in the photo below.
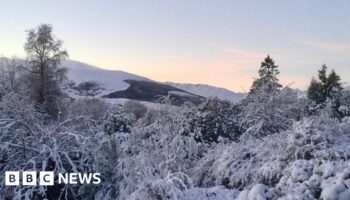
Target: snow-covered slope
{"x": 209, "y": 91}
{"x": 107, "y": 80}
{"x": 88, "y": 80}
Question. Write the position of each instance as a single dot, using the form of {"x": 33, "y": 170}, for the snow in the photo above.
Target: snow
{"x": 159, "y": 151}
{"x": 113, "y": 80}
{"x": 209, "y": 91}
{"x": 122, "y": 101}
{"x": 110, "y": 80}
{"x": 179, "y": 93}
{"x": 214, "y": 193}
{"x": 258, "y": 192}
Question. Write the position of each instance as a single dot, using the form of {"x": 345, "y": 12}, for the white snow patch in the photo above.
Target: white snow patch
{"x": 110, "y": 80}
{"x": 209, "y": 91}
{"x": 179, "y": 93}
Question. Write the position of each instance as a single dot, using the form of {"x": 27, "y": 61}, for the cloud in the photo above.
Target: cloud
{"x": 331, "y": 47}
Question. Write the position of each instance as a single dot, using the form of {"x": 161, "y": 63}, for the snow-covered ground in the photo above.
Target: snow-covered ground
{"x": 122, "y": 101}
{"x": 109, "y": 80}
{"x": 268, "y": 148}
{"x": 209, "y": 91}
{"x": 181, "y": 93}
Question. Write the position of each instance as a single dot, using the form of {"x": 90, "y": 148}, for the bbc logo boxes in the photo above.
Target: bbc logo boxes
{"x": 29, "y": 178}
{"x": 33, "y": 178}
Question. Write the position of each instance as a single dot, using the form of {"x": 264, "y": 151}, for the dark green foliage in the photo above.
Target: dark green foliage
{"x": 314, "y": 91}
{"x": 212, "y": 120}
{"x": 267, "y": 80}
{"x": 322, "y": 75}
{"x": 333, "y": 83}
{"x": 327, "y": 89}
{"x": 88, "y": 88}
{"x": 117, "y": 123}
{"x": 334, "y": 89}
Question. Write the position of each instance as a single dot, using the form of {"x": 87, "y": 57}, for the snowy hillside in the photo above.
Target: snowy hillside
{"x": 151, "y": 91}
{"x": 209, "y": 91}
{"x": 88, "y": 80}
{"x": 104, "y": 81}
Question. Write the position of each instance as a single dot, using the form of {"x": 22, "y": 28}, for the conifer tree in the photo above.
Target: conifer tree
{"x": 333, "y": 83}
{"x": 334, "y": 92}
{"x": 260, "y": 114}
{"x": 326, "y": 89}
{"x": 314, "y": 91}
{"x": 322, "y": 76}
{"x": 267, "y": 81}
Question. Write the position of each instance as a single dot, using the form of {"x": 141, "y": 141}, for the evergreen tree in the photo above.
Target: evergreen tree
{"x": 334, "y": 92}
{"x": 314, "y": 91}
{"x": 267, "y": 81}
{"x": 327, "y": 89}
{"x": 213, "y": 119}
{"x": 333, "y": 83}
{"x": 322, "y": 74}
{"x": 260, "y": 114}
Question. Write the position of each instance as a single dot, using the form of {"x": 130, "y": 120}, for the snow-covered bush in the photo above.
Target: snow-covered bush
{"x": 136, "y": 108}
{"x": 261, "y": 113}
{"x": 92, "y": 108}
{"x": 171, "y": 187}
{"x": 212, "y": 120}
{"x": 107, "y": 155}
{"x": 117, "y": 122}
{"x": 150, "y": 117}
{"x": 15, "y": 106}
{"x": 29, "y": 144}
{"x": 213, "y": 193}
{"x": 243, "y": 164}
{"x": 258, "y": 192}
{"x": 265, "y": 148}
{"x": 312, "y": 179}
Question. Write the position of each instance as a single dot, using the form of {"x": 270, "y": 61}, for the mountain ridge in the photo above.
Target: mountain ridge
{"x": 209, "y": 91}
{"x": 92, "y": 81}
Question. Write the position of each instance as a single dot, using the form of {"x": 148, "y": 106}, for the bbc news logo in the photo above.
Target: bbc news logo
{"x": 33, "y": 178}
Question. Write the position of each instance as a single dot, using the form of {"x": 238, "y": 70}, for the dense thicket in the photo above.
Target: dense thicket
{"x": 267, "y": 146}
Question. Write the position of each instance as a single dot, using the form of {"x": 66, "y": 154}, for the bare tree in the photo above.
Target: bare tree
{"x": 45, "y": 53}
{"x": 10, "y": 70}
